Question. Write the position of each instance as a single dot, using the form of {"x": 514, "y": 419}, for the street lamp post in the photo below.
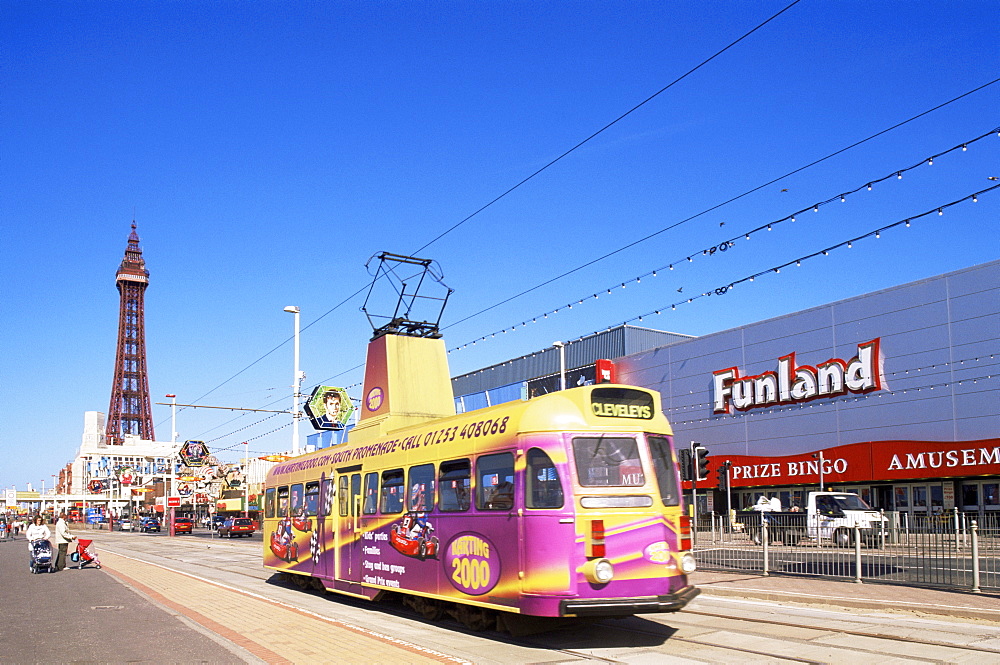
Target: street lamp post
{"x": 562, "y": 364}
{"x": 246, "y": 481}
{"x": 173, "y": 418}
{"x": 171, "y": 483}
{"x": 296, "y": 383}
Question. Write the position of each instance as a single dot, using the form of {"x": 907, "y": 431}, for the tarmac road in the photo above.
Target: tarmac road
{"x": 87, "y": 615}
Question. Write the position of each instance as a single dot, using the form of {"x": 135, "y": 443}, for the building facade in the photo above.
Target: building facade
{"x": 893, "y": 394}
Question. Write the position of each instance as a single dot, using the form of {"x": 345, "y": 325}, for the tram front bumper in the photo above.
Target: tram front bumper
{"x": 584, "y": 607}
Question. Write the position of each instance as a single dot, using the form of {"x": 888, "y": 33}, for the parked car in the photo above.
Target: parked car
{"x": 236, "y": 526}
{"x": 124, "y": 525}
{"x": 217, "y": 521}
{"x": 183, "y": 525}
{"x": 149, "y": 524}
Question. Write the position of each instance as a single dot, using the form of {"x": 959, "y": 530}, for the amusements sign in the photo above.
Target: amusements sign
{"x": 329, "y": 407}
{"x": 194, "y": 453}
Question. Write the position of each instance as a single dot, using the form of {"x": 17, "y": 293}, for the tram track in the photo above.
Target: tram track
{"x": 739, "y": 632}
{"x": 859, "y": 633}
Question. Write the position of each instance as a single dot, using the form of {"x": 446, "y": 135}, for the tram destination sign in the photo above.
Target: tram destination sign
{"x": 621, "y": 403}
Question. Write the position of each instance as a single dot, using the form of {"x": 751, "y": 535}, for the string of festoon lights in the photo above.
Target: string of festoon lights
{"x": 792, "y": 409}
{"x": 245, "y": 427}
{"x": 846, "y": 244}
{"x": 725, "y": 245}
{"x": 722, "y": 290}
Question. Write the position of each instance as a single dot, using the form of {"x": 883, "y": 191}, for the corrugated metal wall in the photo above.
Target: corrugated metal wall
{"x": 613, "y": 343}
{"x": 940, "y": 340}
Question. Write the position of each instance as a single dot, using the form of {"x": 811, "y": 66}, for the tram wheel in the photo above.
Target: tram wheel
{"x": 428, "y": 608}
{"x": 475, "y": 618}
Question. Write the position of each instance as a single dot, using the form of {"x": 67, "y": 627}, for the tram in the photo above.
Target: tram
{"x": 563, "y": 505}
{"x": 567, "y": 504}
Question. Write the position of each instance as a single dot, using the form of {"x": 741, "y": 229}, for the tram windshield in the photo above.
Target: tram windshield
{"x": 663, "y": 467}
{"x": 608, "y": 461}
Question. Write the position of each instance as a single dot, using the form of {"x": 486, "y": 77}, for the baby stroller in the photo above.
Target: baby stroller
{"x": 85, "y": 554}
{"x": 41, "y": 557}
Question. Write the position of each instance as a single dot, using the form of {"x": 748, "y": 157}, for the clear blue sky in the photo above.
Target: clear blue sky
{"x": 267, "y": 149}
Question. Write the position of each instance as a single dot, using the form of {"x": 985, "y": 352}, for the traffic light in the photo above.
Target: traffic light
{"x": 701, "y": 462}
{"x": 684, "y": 461}
{"x": 724, "y": 475}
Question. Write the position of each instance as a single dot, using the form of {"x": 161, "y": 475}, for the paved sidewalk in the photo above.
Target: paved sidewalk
{"x": 838, "y": 594}
{"x": 270, "y": 630}
{"x": 83, "y": 616}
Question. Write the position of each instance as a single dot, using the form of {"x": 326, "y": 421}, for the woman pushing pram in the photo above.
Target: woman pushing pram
{"x": 39, "y": 547}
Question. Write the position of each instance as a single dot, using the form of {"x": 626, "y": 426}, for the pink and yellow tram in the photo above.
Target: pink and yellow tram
{"x": 565, "y": 505}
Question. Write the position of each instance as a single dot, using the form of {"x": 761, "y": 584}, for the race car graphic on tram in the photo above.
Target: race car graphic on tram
{"x": 564, "y": 505}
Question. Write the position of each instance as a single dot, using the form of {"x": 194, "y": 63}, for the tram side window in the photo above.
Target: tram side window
{"x": 608, "y": 461}
{"x": 296, "y": 505}
{"x": 664, "y": 469}
{"x": 543, "y": 488}
{"x": 345, "y": 498}
{"x": 269, "y": 503}
{"x": 392, "y": 491}
{"x": 421, "y": 494}
{"x": 495, "y": 482}
{"x": 326, "y": 497}
{"x": 283, "y": 501}
{"x": 355, "y": 493}
{"x": 454, "y": 480}
{"x": 312, "y": 499}
{"x": 371, "y": 494}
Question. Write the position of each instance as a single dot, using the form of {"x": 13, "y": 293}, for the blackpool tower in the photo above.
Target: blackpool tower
{"x": 130, "y": 411}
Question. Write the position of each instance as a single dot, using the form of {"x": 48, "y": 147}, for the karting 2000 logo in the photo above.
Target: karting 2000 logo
{"x": 472, "y": 564}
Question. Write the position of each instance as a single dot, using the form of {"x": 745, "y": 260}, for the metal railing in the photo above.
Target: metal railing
{"x": 954, "y": 550}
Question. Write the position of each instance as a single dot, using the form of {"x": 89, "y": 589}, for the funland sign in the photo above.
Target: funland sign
{"x": 793, "y": 383}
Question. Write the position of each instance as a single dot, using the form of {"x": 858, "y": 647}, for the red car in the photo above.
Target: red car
{"x": 412, "y": 537}
{"x": 183, "y": 525}
{"x": 236, "y": 526}
{"x": 283, "y": 542}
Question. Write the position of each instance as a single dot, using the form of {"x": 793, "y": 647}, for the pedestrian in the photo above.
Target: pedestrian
{"x": 37, "y": 530}
{"x": 63, "y": 539}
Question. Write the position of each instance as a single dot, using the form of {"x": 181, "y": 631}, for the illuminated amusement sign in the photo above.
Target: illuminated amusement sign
{"x": 792, "y": 383}
{"x": 329, "y": 407}
{"x": 194, "y": 453}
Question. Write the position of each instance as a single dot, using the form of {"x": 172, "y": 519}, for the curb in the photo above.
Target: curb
{"x": 839, "y": 602}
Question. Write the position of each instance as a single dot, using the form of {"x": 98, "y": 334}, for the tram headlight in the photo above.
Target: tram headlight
{"x": 688, "y": 563}
{"x": 599, "y": 571}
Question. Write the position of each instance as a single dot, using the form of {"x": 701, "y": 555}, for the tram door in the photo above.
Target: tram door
{"x": 348, "y": 565}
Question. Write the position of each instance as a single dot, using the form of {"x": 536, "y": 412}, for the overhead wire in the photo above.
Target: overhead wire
{"x": 523, "y": 181}
{"x": 613, "y": 122}
{"x": 728, "y": 243}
